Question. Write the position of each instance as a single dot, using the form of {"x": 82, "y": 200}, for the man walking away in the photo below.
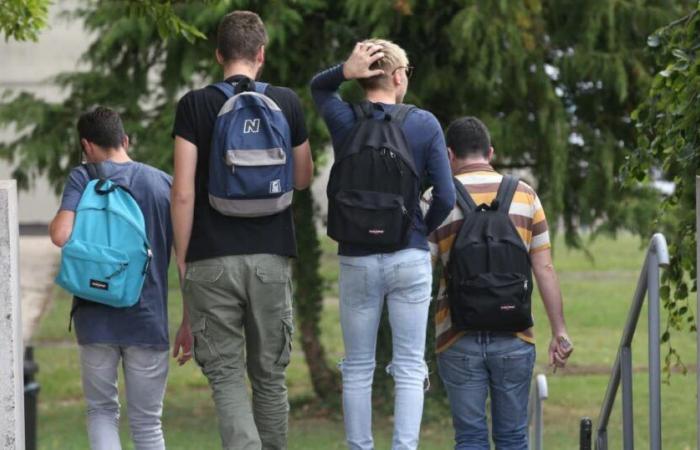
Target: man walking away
{"x": 384, "y": 151}
{"x": 134, "y": 336}
{"x": 241, "y": 148}
{"x": 485, "y": 342}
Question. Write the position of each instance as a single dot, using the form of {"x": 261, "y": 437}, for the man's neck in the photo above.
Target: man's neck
{"x": 459, "y": 165}
{"x": 118, "y": 156}
{"x": 380, "y": 96}
{"x": 240, "y": 68}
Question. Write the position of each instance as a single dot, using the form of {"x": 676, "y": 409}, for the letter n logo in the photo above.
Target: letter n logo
{"x": 251, "y": 126}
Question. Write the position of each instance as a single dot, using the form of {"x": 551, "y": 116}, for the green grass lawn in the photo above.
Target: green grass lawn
{"x": 597, "y": 295}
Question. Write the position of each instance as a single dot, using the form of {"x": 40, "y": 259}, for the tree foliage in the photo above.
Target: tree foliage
{"x": 669, "y": 143}
{"x": 22, "y": 20}
{"x": 555, "y": 80}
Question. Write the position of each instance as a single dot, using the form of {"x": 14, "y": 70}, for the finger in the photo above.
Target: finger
{"x": 372, "y": 49}
{"x": 176, "y": 350}
{"x": 376, "y": 57}
{"x": 561, "y": 362}
{"x": 551, "y": 357}
{"x": 374, "y": 73}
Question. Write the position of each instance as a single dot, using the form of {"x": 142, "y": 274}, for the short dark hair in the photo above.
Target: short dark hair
{"x": 102, "y": 126}
{"x": 468, "y": 136}
{"x": 240, "y": 36}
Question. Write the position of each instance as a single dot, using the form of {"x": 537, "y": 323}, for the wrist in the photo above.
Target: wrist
{"x": 559, "y": 331}
{"x": 344, "y": 70}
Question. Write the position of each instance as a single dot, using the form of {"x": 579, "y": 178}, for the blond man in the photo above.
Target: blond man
{"x": 402, "y": 273}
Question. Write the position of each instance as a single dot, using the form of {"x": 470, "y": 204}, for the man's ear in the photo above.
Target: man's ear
{"x": 450, "y": 154}
{"x": 491, "y": 152}
{"x": 396, "y": 78}
{"x": 260, "y": 57}
{"x": 84, "y": 144}
{"x": 125, "y": 143}
{"x": 219, "y": 57}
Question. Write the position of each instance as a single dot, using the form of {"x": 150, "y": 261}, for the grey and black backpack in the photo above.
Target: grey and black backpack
{"x": 373, "y": 189}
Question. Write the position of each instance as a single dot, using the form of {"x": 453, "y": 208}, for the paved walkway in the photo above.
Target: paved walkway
{"x": 38, "y": 262}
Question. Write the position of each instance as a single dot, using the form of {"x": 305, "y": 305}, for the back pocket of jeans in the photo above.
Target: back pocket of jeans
{"x": 517, "y": 368}
{"x": 454, "y": 368}
{"x": 353, "y": 284}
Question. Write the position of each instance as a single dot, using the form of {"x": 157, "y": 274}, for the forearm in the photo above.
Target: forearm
{"x": 550, "y": 292}
{"x": 440, "y": 176}
{"x": 325, "y": 86}
{"x": 182, "y": 213}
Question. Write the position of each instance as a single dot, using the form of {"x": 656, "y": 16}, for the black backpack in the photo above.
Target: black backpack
{"x": 373, "y": 189}
{"x": 489, "y": 274}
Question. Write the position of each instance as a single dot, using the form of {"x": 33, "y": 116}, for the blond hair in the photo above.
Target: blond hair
{"x": 394, "y": 57}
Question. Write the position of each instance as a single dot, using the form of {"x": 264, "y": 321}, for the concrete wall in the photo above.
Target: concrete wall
{"x": 28, "y": 66}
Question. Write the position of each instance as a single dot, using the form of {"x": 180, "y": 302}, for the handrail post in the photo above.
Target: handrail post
{"x": 654, "y": 352}
{"x": 535, "y": 411}
{"x": 627, "y": 409}
{"x": 648, "y": 283}
{"x": 585, "y": 433}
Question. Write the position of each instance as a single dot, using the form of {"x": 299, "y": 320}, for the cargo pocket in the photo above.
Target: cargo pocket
{"x": 287, "y": 333}
{"x": 204, "y": 350}
{"x": 201, "y": 275}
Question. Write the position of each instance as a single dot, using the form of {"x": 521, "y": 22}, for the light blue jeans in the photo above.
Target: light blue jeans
{"x": 404, "y": 279}
{"x": 145, "y": 377}
{"x": 481, "y": 363}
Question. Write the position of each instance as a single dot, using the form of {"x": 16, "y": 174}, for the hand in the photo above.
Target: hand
{"x": 184, "y": 342}
{"x": 360, "y": 60}
{"x": 560, "y": 348}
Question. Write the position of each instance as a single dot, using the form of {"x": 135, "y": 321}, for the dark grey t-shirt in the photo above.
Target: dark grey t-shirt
{"x": 145, "y": 323}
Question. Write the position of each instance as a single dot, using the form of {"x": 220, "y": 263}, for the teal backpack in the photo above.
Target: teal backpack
{"x": 107, "y": 257}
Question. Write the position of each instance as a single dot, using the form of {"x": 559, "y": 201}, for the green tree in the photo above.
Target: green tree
{"x": 669, "y": 143}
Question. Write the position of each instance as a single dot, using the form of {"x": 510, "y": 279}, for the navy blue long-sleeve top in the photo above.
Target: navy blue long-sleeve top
{"x": 425, "y": 137}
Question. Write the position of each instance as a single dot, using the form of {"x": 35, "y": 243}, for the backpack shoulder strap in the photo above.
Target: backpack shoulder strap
{"x": 94, "y": 171}
{"x": 261, "y": 87}
{"x": 506, "y": 191}
{"x": 400, "y": 112}
{"x": 362, "y": 110}
{"x": 227, "y": 89}
{"x": 464, "y": 200}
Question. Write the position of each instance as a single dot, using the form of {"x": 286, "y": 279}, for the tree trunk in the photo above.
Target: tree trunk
{"x": 309, "y": 297}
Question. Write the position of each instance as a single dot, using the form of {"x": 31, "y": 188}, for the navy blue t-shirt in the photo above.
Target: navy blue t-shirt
{"x": 145, "y": 323}
{"x": 427, "y": 142}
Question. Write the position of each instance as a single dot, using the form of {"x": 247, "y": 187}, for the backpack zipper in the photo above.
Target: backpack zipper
{"x": 122, "y": 268}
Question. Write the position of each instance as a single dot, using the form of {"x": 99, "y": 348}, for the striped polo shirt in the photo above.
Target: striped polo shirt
{"x": 527, "y": 214}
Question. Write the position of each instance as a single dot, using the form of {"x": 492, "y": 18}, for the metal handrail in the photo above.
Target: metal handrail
{"x": 656, "y": 257}
{"x": 538, "y": 395}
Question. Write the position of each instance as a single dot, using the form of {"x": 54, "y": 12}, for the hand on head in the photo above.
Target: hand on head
{"x": 361, "y": 59}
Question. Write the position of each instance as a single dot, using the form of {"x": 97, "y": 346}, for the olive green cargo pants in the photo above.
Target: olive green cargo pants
{"x": 241, "y": 315}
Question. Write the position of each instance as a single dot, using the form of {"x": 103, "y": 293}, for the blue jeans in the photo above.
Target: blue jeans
{"x": 476, "y": 365}
{"x": 404, "y": 279}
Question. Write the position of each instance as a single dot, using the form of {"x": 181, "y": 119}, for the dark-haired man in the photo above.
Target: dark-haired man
{"x": 137, "y": 336}
{"x": 476, "y": 364}
{"x": 235, "y": 271}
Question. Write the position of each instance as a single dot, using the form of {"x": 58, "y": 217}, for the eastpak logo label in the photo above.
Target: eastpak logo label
{"x": 507, "y": 307}
{"x": 99, "y": 285}
{"x": 376, "y": 231}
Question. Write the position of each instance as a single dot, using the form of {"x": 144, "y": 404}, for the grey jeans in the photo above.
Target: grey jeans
{"x": 145, "y": 377}
{"x": 241, "y": 314}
